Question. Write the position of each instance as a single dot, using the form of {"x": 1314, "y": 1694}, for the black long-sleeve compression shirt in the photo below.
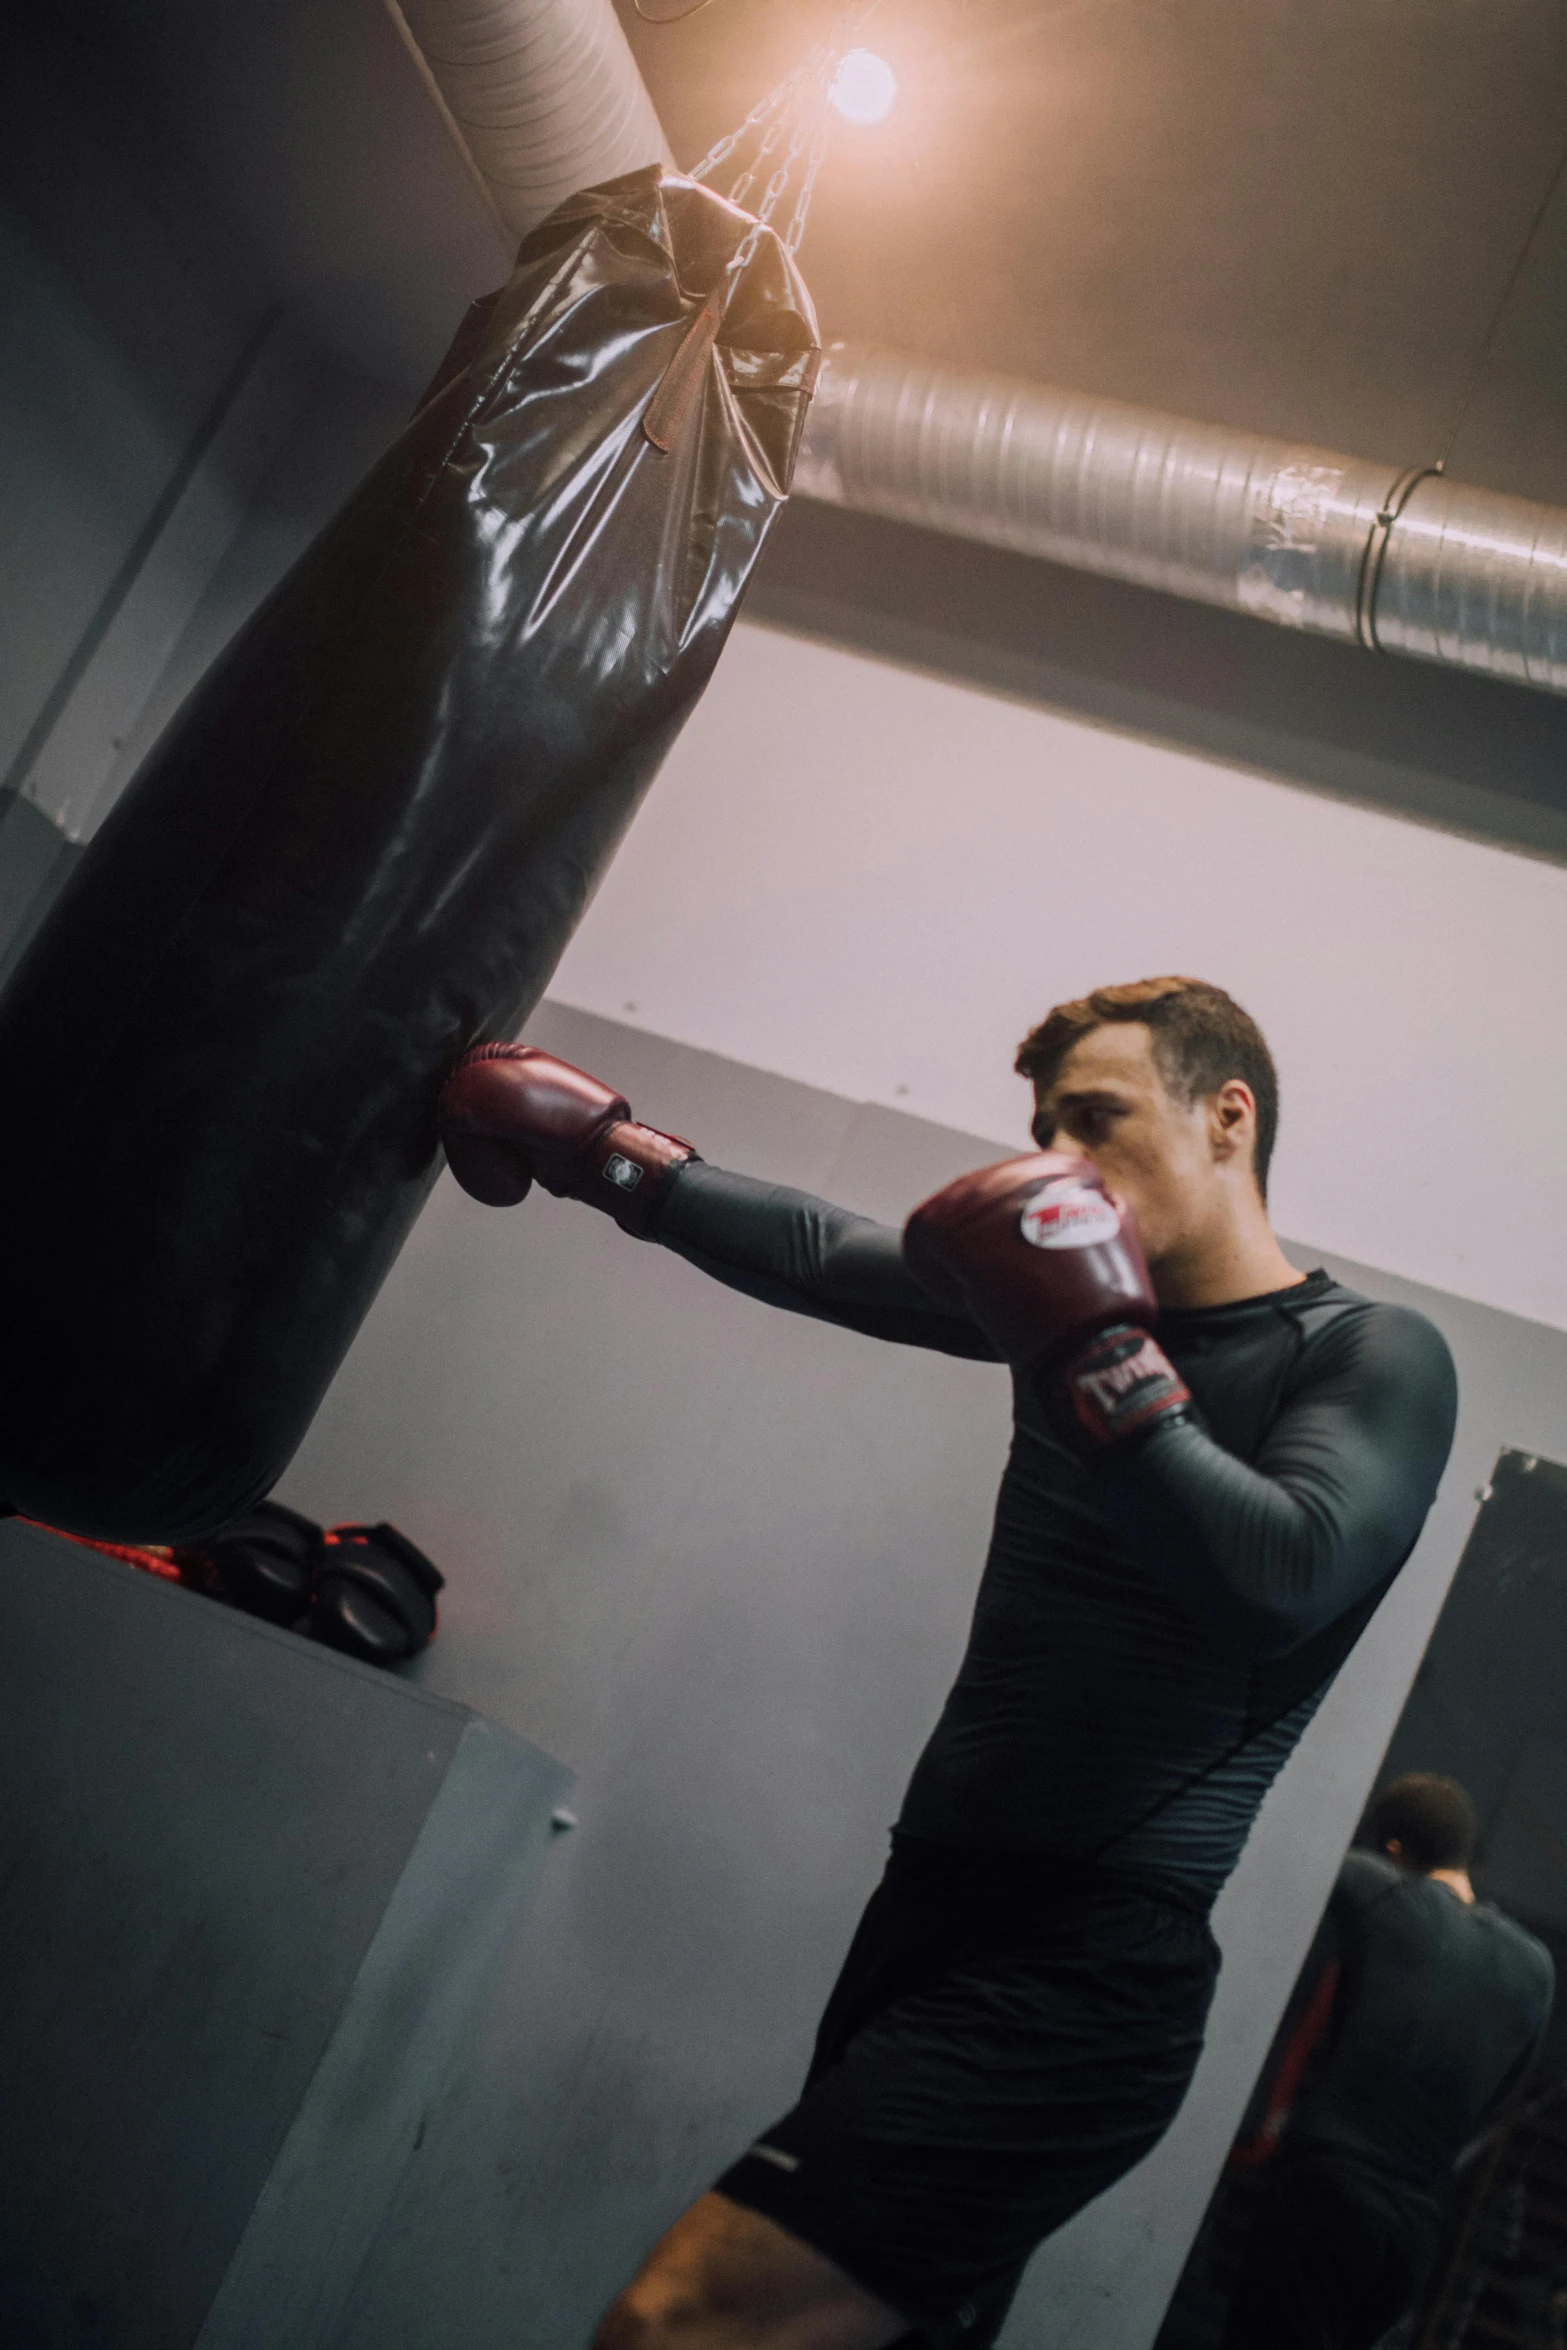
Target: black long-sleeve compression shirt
{"x": 1153, "y": 1629}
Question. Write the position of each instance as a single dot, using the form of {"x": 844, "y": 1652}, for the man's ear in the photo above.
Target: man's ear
{"x": 1232, "y": 1119}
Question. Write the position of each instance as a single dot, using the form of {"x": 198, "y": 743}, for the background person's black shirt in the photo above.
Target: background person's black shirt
{"x": 1440, "y": 2007}
{"x": 1153, "y": 1630}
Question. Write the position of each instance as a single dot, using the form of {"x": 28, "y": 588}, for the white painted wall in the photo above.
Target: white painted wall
{"x": 873, "y": 881}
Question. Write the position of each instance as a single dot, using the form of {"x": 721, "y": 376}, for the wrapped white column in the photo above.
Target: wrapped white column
{"x": 542, "y": 96}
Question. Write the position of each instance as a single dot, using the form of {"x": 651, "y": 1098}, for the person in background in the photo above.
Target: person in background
{"x": 1440, "y": 2007}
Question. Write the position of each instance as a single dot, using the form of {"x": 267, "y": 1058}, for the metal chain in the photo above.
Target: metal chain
{"x": 774, "y": 191}
{"x": 799, "y": 106}
{"x": 802, "y": 205}
{"x": 774, "y": 132}
{"x": 781, "y": 177}
{"x": 776, "y": 97}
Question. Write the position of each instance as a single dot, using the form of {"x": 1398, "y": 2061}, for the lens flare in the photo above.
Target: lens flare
{"x": 864, "y": 87}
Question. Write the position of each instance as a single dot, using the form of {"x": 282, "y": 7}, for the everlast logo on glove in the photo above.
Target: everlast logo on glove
{"x": 1122, "y": 1384}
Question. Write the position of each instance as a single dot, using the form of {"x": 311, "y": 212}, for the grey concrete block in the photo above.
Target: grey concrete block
{"x": 254, "y": 1894}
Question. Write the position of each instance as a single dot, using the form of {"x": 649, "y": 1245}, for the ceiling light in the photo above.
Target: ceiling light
{"x": 864, "y": 87}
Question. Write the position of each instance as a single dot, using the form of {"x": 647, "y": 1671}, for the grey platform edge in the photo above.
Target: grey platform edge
{"x": 260, "y": 1893}
{"x": 421, "y": 1985}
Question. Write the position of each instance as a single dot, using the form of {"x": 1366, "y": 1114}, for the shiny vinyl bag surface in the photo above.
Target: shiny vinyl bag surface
{"x": 362, "y": 846}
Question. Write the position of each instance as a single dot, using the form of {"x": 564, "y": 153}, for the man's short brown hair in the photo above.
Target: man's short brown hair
{"x": 1201, "y": 1039}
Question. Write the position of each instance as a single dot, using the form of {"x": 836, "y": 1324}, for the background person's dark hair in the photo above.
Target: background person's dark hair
{"x": 1432, "y": 1819}
{"x": 1201, "y": 1039}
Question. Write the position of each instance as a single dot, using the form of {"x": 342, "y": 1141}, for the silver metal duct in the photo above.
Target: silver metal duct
{"x": 1404, "y": 562}
{"x": 541, "y": 96}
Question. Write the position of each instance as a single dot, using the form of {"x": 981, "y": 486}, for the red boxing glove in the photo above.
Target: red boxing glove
{"x": 511, "y": 1116}
{"x": 1048, "y": 1263}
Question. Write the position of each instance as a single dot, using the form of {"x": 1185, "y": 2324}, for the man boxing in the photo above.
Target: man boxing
{"x": 1218, "y": 1466}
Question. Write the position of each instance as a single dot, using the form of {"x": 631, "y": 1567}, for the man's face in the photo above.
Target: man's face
{"x": 1110, "y": 1104}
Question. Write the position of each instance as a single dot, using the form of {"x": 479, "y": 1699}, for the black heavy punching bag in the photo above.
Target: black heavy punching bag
{"x": 363, "y": 845}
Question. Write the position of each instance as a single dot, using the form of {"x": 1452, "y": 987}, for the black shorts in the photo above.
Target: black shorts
{"x": 1003, "y": 2043}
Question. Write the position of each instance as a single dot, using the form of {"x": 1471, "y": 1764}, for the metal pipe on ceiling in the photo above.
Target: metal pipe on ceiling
{"x": 542, "y": 97}
{"x": 1404, "y": 562}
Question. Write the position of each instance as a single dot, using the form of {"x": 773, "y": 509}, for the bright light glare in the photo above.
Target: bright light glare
{"x": 864, "y": 87}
